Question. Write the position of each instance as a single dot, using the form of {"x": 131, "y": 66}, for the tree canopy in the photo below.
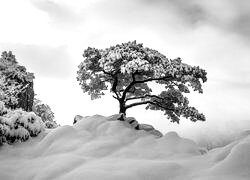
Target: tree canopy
{"x": 127, "y": 68}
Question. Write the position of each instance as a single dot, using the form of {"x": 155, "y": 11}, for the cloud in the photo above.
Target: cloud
{"x": 228, "y": 15}
{"x": 190, "y": 12}
{"x": 59, "y": 13}
{"x": 42, "y": 60}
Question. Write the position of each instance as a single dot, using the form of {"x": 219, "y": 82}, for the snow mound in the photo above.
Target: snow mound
{"x": 235, "y": 159}
{"x": 99, "y": 147}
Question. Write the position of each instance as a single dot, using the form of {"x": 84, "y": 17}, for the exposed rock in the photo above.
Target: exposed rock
{"x": 203, "y": 150}
{"x": 114, "y": 117}
{"x": 133, "y": 123}
{"x": 155, "y": 132}
{"x": 77, "y": 118}
{"x": 146, "y": 127}
{"x": 121, "y": 117}
{"x": 130, "y": 119}
{"x": 26, "y": 97}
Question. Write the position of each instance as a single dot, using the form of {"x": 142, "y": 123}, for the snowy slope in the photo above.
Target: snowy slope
{"x": 99, "y": 148}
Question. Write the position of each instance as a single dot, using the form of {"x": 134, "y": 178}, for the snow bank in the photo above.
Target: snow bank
{"x": 100, "y": 147}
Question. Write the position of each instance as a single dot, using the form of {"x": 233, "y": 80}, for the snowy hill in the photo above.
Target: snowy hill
{"x": 99, "y": 147}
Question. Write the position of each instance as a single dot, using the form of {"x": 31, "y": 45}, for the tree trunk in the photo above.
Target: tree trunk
{"x": 122, "y": 110}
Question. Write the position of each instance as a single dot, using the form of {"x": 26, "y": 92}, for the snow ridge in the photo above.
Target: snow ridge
{"x": 99, "y": 147}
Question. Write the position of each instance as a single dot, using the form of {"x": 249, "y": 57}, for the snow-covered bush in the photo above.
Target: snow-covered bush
{"x": 44, "y": 111}
{"x": 18, "y": 125}
{"x": 50, "y": 124}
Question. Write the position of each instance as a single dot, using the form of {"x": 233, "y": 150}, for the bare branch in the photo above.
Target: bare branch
{"x": 128, "y": 87}
{"x": 137, "y": 104}
{"x": 166, "y": 78}
{"x": 134, "y": 98}
{"x": 115, "y": 97}
{"x": 115, "y": 83}
{"x": 145, "y": 96}
{"x": 148, "y": 102}
{"x": 105, "y": 72}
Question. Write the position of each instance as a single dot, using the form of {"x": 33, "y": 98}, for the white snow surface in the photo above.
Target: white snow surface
{"x": 101, "y": 148}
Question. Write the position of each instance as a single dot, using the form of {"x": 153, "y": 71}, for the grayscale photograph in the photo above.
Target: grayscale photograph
{"x": 124, "y": 90}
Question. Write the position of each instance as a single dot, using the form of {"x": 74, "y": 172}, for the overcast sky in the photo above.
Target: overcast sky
{"x": 49, "y": 37}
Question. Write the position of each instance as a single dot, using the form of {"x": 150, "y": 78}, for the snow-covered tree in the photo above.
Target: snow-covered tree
{"x": 126, "y": 69}
{"x": 44, "y": 111}
{"x": 16, "y": 83}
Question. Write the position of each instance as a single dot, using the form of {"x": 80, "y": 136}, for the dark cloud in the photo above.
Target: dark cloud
{"x": 58, "y": 13}
{"x": 42, "y": 60}
{"x": 242, "y": 25}
{"x": 189, "y": 11}
{"x": 228, "y": 15}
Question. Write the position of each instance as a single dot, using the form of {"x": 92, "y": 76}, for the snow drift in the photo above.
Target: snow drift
{"x": 100, "y": 147}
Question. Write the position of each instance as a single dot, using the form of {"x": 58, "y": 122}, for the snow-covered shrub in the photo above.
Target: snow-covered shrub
{"x": 50, "y": 124}
{"x": 44, "y": 111}
{"x": 18, "y": 125}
